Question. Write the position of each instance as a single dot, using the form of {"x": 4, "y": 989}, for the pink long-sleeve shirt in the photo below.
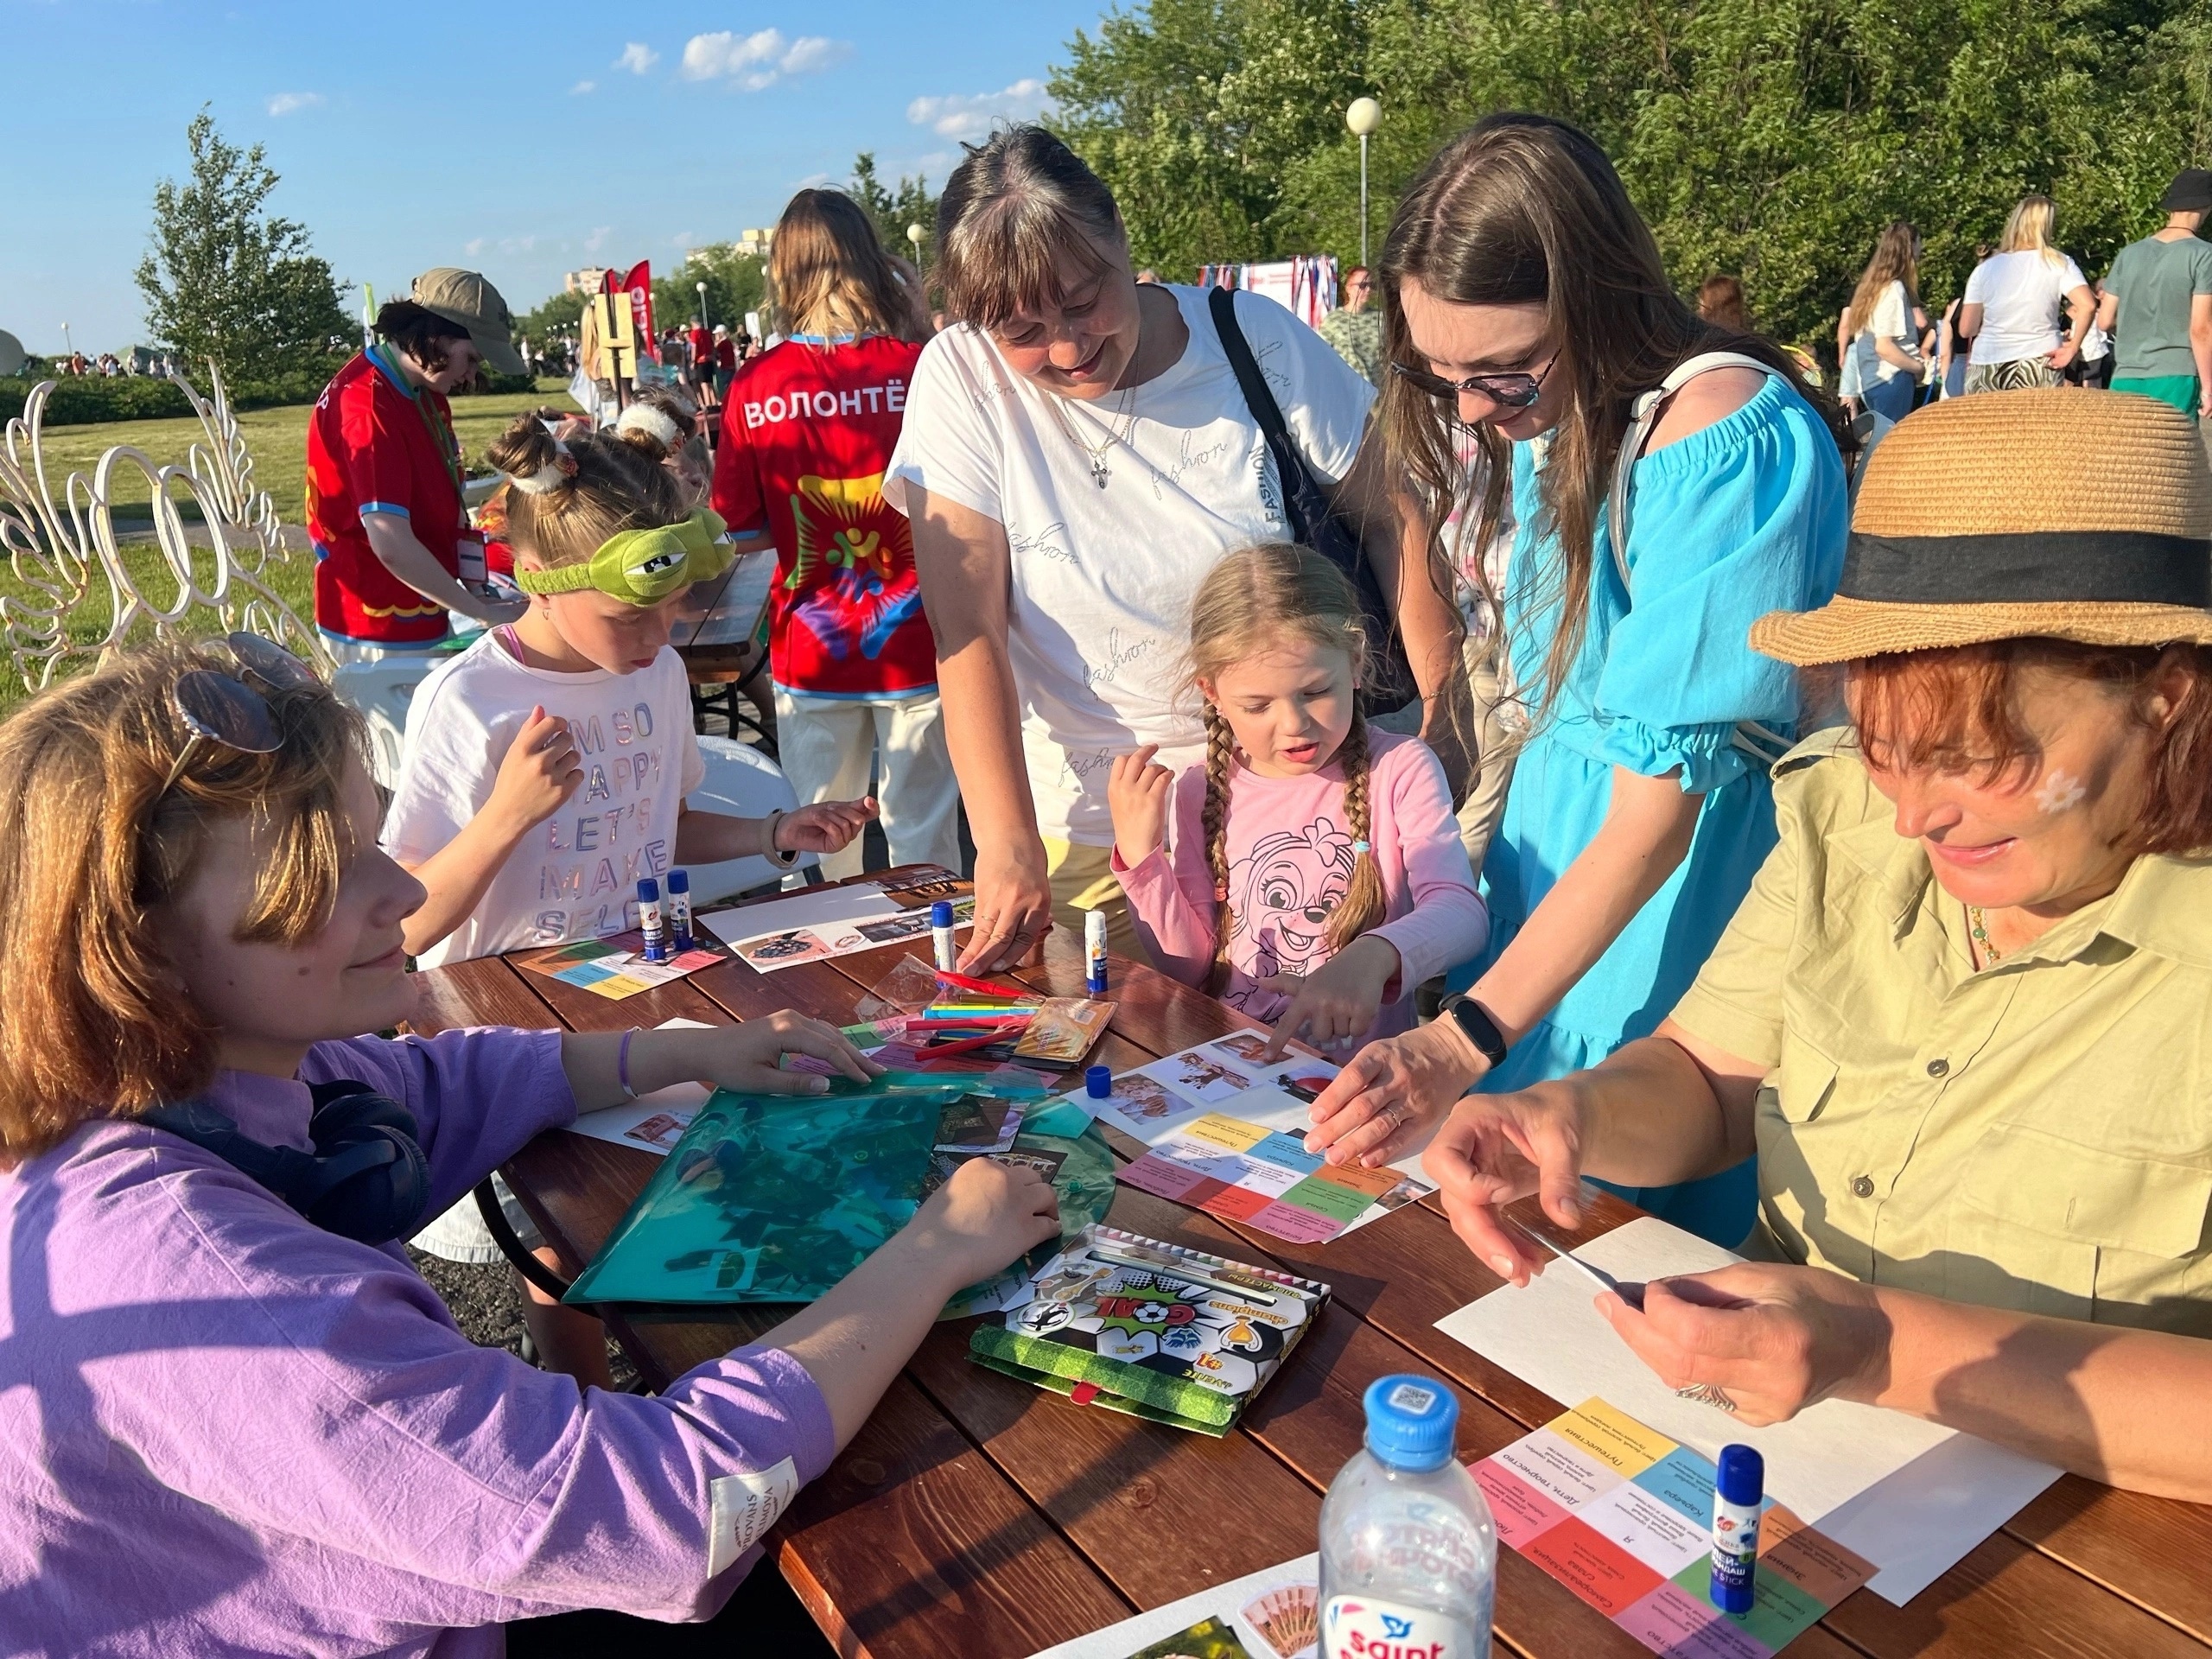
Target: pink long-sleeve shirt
{"x": 224, "y": 1430}
{"x": 1290, "y": 862}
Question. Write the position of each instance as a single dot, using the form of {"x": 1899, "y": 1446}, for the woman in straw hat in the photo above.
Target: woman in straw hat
{"x": 1965, "y": 1017}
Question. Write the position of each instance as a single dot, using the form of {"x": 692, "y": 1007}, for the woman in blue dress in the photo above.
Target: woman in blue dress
{"x": 1525, "y": 298}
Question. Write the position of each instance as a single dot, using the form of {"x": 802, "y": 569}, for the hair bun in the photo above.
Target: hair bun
{"x": 532, "y": 457}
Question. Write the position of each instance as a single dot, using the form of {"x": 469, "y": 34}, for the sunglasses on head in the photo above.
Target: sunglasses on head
{"x": 1506, "y": 390}
{"x": 223, "y": 709}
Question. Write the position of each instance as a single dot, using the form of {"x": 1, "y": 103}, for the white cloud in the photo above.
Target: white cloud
{"x": 684, "y": 239}
{"x": 597, "y": 240}
{"x": 637, "y": 58}
{"x": 961, "y": 115}
{"x": 474, "y": 245}
{"x": 581, "y": 87}
{"x": 290, "y": 102}
{"x": 760, "y": 59}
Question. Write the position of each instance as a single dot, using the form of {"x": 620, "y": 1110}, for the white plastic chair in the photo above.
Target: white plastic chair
{"x": 382, "y": 690}
{"x": 744, "y": 783}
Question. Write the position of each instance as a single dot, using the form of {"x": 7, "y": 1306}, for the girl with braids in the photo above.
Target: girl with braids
{"x": 1315, "y": 876}
{"x": 1525, "y": 303}
{"x": 545, "y": 767}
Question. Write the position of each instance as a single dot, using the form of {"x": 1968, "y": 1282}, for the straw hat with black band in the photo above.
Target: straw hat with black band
{"x": 2058, "y": 513}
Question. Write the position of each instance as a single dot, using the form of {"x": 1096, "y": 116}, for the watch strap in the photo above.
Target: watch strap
{"x": 1481, "y": 1030}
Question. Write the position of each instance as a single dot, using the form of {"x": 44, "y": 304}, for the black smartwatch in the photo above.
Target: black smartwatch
{"x": 1482, "y": 1031}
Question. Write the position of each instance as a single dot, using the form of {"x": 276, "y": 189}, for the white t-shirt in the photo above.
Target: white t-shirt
{"x": 2020, "y": 295}
{"x": 1890, "y": 319}
{"x": 1103, "y": 579}
{"x": 576, "y": 875}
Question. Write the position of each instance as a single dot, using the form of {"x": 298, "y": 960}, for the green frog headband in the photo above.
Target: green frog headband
{"x": 642, "y": 566}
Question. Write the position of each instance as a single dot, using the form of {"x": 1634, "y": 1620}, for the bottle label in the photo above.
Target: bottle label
{"x": 1362, "y": 1627}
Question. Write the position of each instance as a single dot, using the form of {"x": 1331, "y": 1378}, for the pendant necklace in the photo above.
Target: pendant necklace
{"x": 1100, "y": 471}
{"x": 1978, "y": 925}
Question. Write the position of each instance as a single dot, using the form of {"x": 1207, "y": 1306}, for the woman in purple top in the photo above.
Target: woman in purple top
{"x": 227, "y": 1429}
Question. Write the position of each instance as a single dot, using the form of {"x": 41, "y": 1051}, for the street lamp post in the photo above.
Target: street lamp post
{"x": 917, "y": 235}
{"x": 703, "y": 323}
{"x": 1363, "y": 116}
{"x": 68, "y": 345}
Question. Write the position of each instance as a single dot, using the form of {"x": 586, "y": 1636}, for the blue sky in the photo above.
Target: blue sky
{"x": 521, "y": 140}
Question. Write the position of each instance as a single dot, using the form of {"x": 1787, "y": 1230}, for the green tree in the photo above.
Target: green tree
{"x": 1770, "y": 138}
{"x": 735, "y": 284}
{"x": 558, "y": 317}
{"x": 227, "y": 280}
{"x": 912, "y": 203}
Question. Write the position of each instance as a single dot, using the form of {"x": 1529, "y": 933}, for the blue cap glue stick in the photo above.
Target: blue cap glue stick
{"x": 1094, "y": 952}
{"x": 649, "y": 922}
{"x": 679, "y": 912}
{"x": 1736, "y": 1500}
{"x": 947, "y": 953}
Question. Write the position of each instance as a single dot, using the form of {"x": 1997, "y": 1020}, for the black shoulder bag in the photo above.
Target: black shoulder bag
{"x": 1389, "y": 683}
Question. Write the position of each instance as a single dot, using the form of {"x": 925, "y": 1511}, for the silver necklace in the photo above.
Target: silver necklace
{"x": 1100, "y": 471}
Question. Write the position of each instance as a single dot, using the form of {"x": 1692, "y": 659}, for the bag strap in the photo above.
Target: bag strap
{"x": 1643, "y": 419}
{"x": 1762, "y": 743}
{"x": 1258, "y": 399}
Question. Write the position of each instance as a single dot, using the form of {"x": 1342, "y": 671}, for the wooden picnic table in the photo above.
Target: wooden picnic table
{"x": 978, "y": 1517}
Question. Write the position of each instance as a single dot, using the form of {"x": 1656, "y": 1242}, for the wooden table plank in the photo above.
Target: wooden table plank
{"x": 2154, "y": 1551}
{"x": 913, "y": 1545}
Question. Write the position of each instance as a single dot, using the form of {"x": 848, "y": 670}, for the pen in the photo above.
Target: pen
{"x": 1629, "y": 1292}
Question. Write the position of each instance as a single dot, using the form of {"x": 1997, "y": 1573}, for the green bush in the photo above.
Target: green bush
{"x": 89, "y": 400}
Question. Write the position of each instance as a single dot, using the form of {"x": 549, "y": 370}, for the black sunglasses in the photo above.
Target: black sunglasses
{"x": 223, "y": 709}
{"x": 1506, "y": 390}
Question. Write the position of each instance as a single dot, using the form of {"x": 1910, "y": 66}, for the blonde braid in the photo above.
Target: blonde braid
{"x": 1221, "y": 749}
{"x": 1362, "y": 905}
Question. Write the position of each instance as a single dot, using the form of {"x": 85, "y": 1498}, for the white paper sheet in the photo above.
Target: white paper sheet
{"x": 861, "y": 902}
{"x": 1225, "y": 1601}
{"x": 1909, "y": 1495}
{"x": 680, "y": 1101}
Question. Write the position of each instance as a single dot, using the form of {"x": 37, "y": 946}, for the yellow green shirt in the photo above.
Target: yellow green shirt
{"x": 2036, "y": 1135}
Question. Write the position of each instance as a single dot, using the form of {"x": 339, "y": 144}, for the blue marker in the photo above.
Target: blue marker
{"x": 1736, "y": 1528}
{"x": 649, "y": 921}
{"x": 679, "y": 912}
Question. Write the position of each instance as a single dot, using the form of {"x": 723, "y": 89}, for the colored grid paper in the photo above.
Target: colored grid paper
{"x": 1619, "y": 1514}
{"x": 1267, "y": 1179}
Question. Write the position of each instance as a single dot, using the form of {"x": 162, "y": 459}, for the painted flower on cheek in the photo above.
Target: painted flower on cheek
{"x": 2060, "y": 792}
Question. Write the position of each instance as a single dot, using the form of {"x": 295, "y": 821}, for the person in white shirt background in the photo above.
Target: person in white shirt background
{"x": 1884, "y": 324}
{"x": 2011, "y": 309}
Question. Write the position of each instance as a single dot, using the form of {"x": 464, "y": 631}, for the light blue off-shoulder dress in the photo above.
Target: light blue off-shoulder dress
{"x": 1746, "y": 517}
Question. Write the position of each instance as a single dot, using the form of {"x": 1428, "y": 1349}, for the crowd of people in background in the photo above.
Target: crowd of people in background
{"x": 1795, "y": 806}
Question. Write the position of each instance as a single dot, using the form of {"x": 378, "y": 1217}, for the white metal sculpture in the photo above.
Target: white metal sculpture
{"x": 83, "y": 599}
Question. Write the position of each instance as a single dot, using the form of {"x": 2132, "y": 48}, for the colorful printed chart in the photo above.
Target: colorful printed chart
{"x": 1246, "y": 1161}
{"x": 1267, "y": 1179}
{"x": 604, "y": 969}
{"x": 1620, "y": 1515}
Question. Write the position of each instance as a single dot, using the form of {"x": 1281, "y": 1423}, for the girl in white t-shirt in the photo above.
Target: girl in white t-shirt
{"x": 1884, "y": 323}
{"x": 2013, "y": 303}
{"x": 544, "y": 768}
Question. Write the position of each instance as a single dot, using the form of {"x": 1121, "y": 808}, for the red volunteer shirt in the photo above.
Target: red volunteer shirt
{"x": 703, "y": 347}
{"x": 807, "y": 432}
{"x": 369, "y": 451}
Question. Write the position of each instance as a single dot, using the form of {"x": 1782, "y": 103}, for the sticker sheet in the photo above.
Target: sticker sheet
{"x": 1246, "y": 1160}
{"x": 1155, "y": 1330}
{"x": 1621, "y": 1515}
{"x": 1272, "y": 1614}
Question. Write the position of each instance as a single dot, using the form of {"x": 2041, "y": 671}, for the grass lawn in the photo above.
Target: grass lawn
{"x": 277, "y": 440}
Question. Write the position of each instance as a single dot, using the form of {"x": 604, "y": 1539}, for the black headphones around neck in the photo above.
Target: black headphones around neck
{"x": 365, "y": 1180}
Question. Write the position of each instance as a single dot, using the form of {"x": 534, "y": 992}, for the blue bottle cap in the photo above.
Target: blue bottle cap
{"x": 941, "y": 913}
{"x": 1743, "y": 1474}
{"x": 648, "y": 891}
{"x": 1409, "y": 1422}
{"x": 1098, "y": 1083}
{"x": 679, "y": 881}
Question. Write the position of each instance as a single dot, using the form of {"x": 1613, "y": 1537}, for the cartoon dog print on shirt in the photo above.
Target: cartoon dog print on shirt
{"x": 1283, "y": 893}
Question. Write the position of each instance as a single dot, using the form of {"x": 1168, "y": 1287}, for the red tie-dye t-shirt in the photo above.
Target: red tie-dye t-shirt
{"x": 807, "y": 431}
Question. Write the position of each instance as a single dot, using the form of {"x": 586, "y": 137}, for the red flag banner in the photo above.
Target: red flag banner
{"x": 639, "y": 284}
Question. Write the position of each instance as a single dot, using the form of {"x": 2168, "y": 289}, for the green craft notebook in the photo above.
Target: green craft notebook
{"x": 1153, "y": 1330}
{"x": 776, "y": 1197}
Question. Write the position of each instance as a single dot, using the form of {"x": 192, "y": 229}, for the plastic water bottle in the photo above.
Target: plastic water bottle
{"x": 1408, "y": 1550}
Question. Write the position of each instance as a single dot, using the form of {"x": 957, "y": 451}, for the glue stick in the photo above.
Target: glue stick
{"x": 679, "y": 912}
{"x": 1094, "y": 952}
{"x": 1736, "y": 1528}
{"x": 947, "y": 953}
{"x": 649, "y": 921}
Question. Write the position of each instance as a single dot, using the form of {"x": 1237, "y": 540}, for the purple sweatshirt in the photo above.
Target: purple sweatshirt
{"x": 226, "y": 1431}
